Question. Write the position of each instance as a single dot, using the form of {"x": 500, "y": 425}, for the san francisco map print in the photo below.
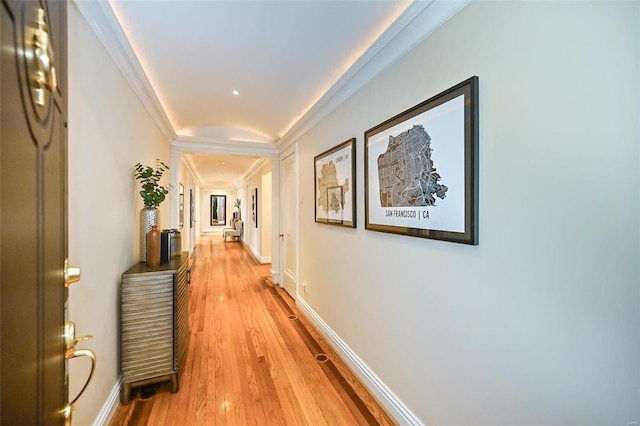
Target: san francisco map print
{"x": 419, "y": 173}
{"x": 331, "y": 192}
{"x": 334, "y": 180}
{"x": 406, "y": 172}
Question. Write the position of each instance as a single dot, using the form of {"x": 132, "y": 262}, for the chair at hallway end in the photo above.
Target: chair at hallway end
{"x": 235, "y": 233}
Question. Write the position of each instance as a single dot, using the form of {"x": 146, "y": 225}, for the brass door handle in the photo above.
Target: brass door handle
{"x": 77, "y": 353}
{"x": 71, "y": 352}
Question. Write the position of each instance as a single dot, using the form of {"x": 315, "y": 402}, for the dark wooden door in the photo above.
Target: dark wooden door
{"x": 33, "y": 218}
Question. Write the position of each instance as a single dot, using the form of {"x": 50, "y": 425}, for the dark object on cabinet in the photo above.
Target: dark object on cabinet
{"x": 170, "y": 245}
{"x": 154, "y": 324}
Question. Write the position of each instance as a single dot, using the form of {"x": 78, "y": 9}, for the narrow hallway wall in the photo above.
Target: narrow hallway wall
{"x": 539, "y": 323}
{"x": 109, "y": 132}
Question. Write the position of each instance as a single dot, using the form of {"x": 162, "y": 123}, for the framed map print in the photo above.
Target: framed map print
{"x": 335, "y": 192}
{"x": 421, "y": 169}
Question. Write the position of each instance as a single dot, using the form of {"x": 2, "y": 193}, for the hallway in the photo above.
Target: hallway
{"x": 251, "y": 360}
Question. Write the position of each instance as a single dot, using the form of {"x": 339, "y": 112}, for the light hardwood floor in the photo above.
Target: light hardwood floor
{"x": 252, "y": 359}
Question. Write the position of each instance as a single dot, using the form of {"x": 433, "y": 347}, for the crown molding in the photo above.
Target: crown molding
{"x": 252, "y": 171}
{"x": 224, "y": 146}
{"x": 415, "y": 24}
{"x": 101, "y": 19}
{"x": 192, "y": 170}
{"x": 225, "y": 188}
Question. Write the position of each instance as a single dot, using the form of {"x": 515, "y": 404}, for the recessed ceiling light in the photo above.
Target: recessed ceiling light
{"x": 235, "y": 93}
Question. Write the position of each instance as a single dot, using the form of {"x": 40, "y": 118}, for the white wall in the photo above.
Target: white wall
{"x": 250, "y": 235}
{"x": 540, "y": 323}
{"x": 266, "y": 213}
{"x": 259, "y": 239}
{"x": 109, "y": 132}
{"x": 187, "y": 233}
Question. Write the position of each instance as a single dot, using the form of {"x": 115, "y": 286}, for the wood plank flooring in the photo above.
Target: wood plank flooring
{"x": 253, "y": 359}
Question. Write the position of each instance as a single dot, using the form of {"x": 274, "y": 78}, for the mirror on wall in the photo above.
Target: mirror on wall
{"x": 218, "y": 210}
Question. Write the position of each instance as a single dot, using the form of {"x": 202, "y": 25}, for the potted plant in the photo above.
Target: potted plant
{"x": 152, "y": 194}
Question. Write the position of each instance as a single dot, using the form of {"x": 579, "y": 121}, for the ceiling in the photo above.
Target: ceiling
{"x": 291, "y": 62}
{"x": 280, "y": 56}
{"x": 221, "y": 170}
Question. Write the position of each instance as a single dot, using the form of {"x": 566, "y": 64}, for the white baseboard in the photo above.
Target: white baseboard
{"x": 212, "y": 231}
{"x": 257, "y": 255}
{"x": 110, "y": 406}
{"x": 400, "y": 412}
{"x": 255, "y": 252}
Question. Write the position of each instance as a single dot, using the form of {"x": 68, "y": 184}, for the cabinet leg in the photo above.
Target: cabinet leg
{"x": 125, "y": 393}
{"x": 175, "y": 386}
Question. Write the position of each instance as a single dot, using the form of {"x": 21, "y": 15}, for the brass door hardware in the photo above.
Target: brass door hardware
{"x": 71, "y": 274}
{"x": 70, "y": 338}
{"x": 45, "y": 74}
{"x": 70, "y": 353}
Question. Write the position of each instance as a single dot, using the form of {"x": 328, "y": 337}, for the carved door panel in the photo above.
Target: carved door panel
{"x": 33, "y": 212}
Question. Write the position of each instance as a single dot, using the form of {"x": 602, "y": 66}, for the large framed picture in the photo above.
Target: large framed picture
{"x": 421, "y": 169}
{"x": 335, "y": 190}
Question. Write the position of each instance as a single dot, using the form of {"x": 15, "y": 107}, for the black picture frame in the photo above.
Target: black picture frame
{"x": 335, "y": 185}
{"x": 218, "y": 210}
{"x": 181, "y": 205}
{"x": 421, "y": 169}
{"x": 192, "y": 209}
{"x": 254, "y": 206}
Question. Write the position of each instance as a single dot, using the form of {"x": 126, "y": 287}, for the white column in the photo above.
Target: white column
{"x": 174, "y": 203}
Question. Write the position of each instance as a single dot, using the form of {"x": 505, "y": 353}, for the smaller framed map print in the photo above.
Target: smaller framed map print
{"x": 335, "y": 192}
{"x": 421, "y": 169}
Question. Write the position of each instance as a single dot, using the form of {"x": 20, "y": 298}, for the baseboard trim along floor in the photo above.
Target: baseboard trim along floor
{"x": 376, "y": 386}
{"x": 110, "y": 406}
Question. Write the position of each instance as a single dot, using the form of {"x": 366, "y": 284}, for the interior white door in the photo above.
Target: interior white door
{"x": 289, "y": 223}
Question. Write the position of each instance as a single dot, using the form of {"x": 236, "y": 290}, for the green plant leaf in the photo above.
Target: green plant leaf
{"x": 152, "y": 192}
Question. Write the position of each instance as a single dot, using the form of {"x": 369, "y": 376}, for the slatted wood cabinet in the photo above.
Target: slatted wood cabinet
{"x": 154, "y": 323}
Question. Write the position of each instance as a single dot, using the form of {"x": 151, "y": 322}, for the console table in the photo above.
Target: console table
{"x": 154, "y": 323}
